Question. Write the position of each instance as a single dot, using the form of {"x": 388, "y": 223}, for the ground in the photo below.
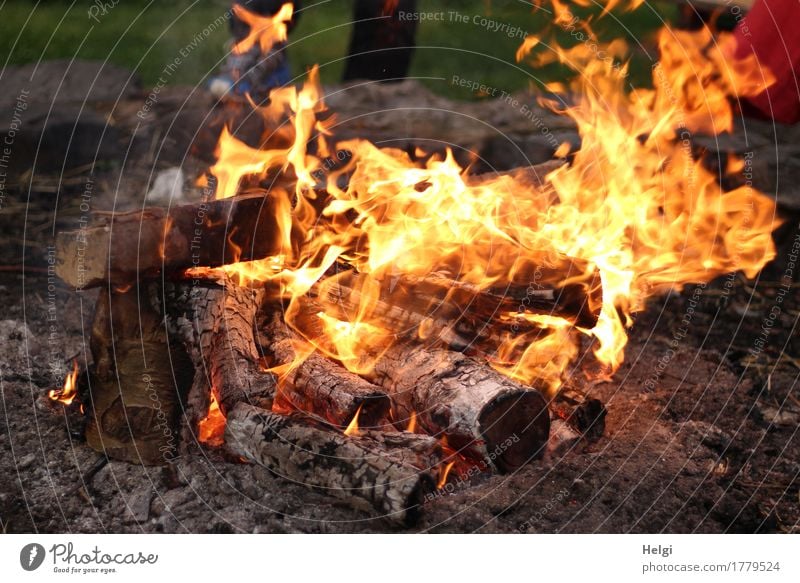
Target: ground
{"x": 701, "y": 430}
{"x": 703, "y": 451}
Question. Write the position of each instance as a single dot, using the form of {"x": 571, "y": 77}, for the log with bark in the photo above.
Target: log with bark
{"x": 216, "y": 319}
{"x": 138, "y": 381}
{"x": 118, "y": 249}
{"x": 390, "y": 473}
{"x": 462, "y": 316}
{"x": 483, "y": 415}
{"x": 318, "y": 385}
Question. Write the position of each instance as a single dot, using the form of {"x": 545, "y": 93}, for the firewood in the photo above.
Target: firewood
{"x": 391, "y": 477}
{"x": 138, "y": 381}
{"x": 216, "y": 320}
{"x": 120, "y": 248}
{"x": 320, "y": 386}
{"x": 460, "y": 315}
{"x": 407, "y": 318}
{"x": 587, "y": 415}
{"x": 484, "y": 415}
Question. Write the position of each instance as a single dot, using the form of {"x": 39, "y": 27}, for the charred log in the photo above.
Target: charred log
{"x": 216, "y": 320}
{"x": 320, "y": 386}
{"x": 463, "y": 316}
{"x": 390, "y": 477}
{"x": 483, "y": 414}
{"x": 586, "y": 415}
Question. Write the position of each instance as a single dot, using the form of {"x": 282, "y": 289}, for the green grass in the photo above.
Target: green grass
{"x": 146, "y": 35}
{"x": 140, "y": 35}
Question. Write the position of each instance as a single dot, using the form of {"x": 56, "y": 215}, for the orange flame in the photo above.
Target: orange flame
{"x": 211, "y": 429}
{"x": 266, "y": 31}
{"x": 656, "y": 217}
{"x": 412, "y": 422}
{"x": 634, "y": 203}
{"x": 444, "y": 473}
{"x": 67, "y": 394}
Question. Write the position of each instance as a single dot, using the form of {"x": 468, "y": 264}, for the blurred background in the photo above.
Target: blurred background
{"x": 144, "y": 35}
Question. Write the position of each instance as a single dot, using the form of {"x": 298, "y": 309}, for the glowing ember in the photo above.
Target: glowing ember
{"x": 412, "y": 423}
{"x": 211, "y": 429}
{"x": 67, "y": 394}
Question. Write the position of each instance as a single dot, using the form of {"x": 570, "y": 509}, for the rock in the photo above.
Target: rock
{"x": 68, "y": 81}
{"x": 167, "y": 188}
{"x": 139, "y": 504}
{"x": 26, "y": 461}
{"x": 57, "y": 139}
{"x": 512, "y": 151}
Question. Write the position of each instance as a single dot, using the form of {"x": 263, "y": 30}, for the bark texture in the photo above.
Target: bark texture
{"x": 216, "y": 320}
{"x": 483, "y": 414}
{"x": 138, "y": 381}
{"x": 370, "y": 475}
{"x": 121, "y": 248}
{"x": 321, "y": 386}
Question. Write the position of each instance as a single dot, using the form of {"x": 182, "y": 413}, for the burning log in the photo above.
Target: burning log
{"x": 408, "y": 319}
{"x": 586, "y": 415}
{"x": 461, "y": 315}
{"x": 387, "y": 472}
{"x": 139, "y": 379}
{"x": 207, "y": 234}
{"x": 483, "y": 414}
{"x": 320, "y": 386}
{"x": 121, "y": 248}
{"x": 217, "y": 320}
{"x": 532, "y": 177}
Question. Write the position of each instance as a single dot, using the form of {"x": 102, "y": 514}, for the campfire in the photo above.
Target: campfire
{"x": 372, "y": 322}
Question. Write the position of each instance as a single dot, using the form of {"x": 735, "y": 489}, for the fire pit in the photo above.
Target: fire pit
{"x": 385, "y": 326}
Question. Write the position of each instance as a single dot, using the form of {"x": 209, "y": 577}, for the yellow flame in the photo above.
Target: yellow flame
{"x": 352, "y": 427}
{"x": 266, "y": 31}
{"x": 633, "y": 203}
{"x": 67, "y": 394}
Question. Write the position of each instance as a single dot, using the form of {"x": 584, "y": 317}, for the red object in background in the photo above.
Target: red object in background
{"x": 770, "y": 30}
